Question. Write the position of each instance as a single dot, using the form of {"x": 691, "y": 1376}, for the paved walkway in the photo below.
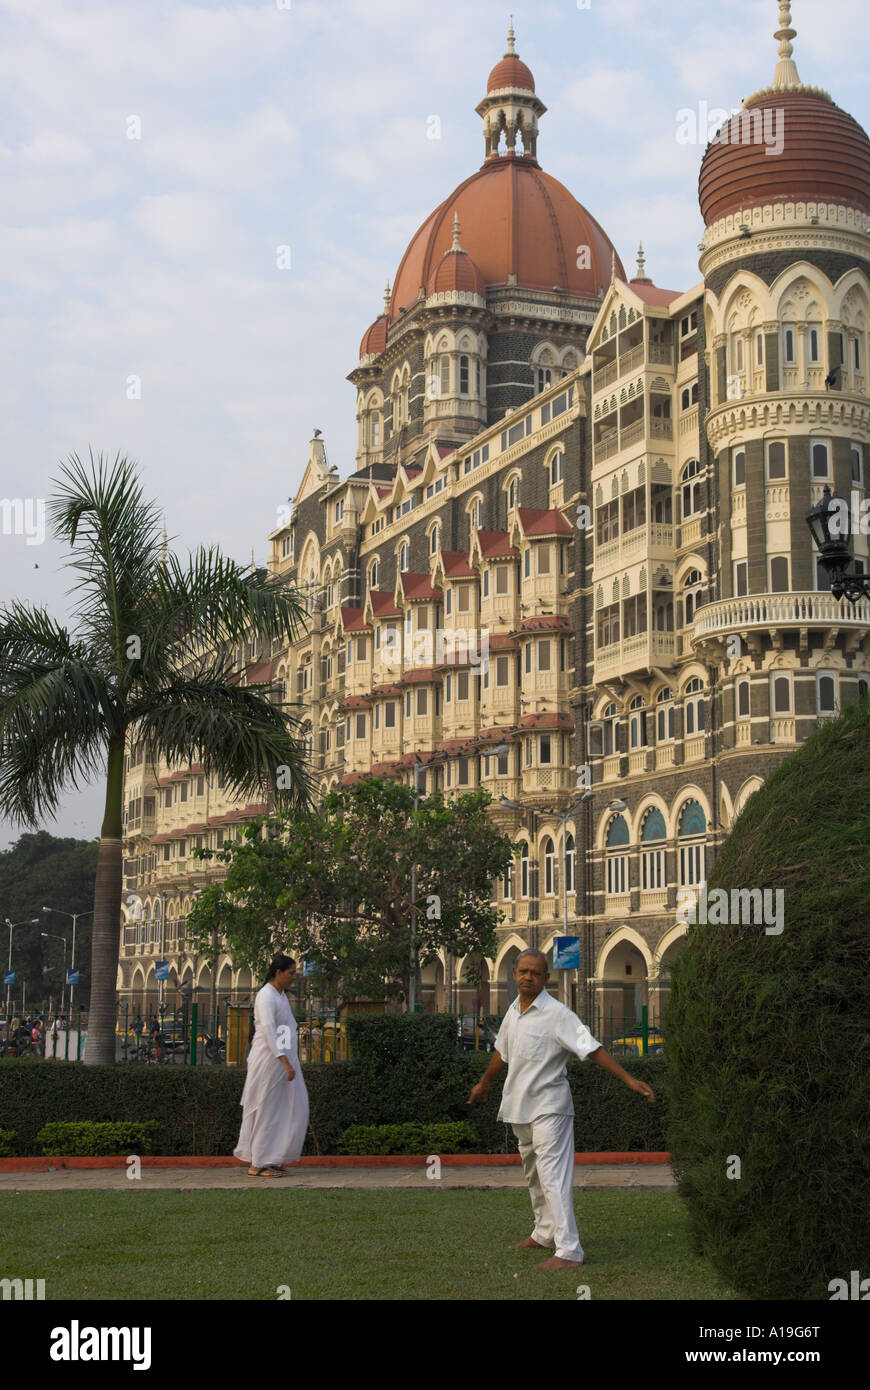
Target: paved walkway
{"x": 635, "y": 1175}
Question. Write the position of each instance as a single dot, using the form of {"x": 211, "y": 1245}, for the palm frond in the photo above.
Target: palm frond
{"x": 232, "y": 730}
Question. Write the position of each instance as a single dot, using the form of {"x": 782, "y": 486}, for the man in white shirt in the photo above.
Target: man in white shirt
{"x": 535, "y": 1037}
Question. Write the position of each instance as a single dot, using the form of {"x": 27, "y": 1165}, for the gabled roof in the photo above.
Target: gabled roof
{"x": 542, "y": 522}
{"x": 493, "y": 543}
{"x": 418, "y": 586}
{"x": 455, "y": 565}
{"x": 353, "y": 619}
{"x": 382, "y": 604}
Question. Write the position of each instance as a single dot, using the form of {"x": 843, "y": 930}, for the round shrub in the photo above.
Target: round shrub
{"x": 768, "y": 1045}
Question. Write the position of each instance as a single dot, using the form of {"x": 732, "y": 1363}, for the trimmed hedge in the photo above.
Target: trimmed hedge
{"x": 457, "y": 1138}
{"x": 91, "y": 1139}
{"x": 404, "y": 1069}
{"x": 7, "y": 1143}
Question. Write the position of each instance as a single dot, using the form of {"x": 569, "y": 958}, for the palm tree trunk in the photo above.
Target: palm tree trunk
{"x": 105, "y": 942}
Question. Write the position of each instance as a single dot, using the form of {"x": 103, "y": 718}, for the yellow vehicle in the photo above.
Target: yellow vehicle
{"x": 631, "y": 1045}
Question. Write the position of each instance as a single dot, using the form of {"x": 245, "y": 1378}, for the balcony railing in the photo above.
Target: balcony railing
{"x": 779, "y": 610}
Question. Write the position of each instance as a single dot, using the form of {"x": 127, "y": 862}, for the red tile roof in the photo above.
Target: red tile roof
{"x": 547, "y": 721}
{"x": 494, "y": 543}
{"x": 497, "y": 734}
{"x": 379, "y": 691}
{"x": 355, "y": 702}
{"x": 537, "y": 522}
{"x": 259, "y": 671}
{"x": 456, "y": 565}
{"x": 350, "y": 779}
{"x": 458, "y": 745}
{"x": 353, "y": 619}
{"x": 385, "y": 769}
{"x": 651, "y": 294}
{"x": 418, "y": 586}
{"x": 384, "y": 604}
{"x": 545, "y": 622}
{"x": 421, "y": 676}
{"x": 502, "y": 642}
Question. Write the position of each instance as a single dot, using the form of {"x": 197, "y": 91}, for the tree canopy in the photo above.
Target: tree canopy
{"x": 334, "y": 884}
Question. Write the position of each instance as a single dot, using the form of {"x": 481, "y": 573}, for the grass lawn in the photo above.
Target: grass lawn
{"x": 343, "y": 1245}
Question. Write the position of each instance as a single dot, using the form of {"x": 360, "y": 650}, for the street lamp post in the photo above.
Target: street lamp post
{"x": 829, "y": 528}
{"x": 27, "y": 922}
{"x": 53, "y": 936}
{"x": 72, "y": 960}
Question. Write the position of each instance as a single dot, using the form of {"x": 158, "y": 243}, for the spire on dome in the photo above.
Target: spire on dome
{"x": 510, "y": 109}
{"x": 511, "y": 48}
{"x": 387, "y": 299}
{"x": 456, "y": 246}
{"x": 641, "y": 278}
{"x": 786, "y": 75}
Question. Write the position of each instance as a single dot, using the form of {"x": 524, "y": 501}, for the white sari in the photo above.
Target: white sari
{"x": 274, "y": 1110}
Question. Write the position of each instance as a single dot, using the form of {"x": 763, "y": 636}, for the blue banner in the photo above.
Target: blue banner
{"x": 161, "y": 970}
{"x": 566, "y": 953}
{"x": 72, "y": 977}
{"x": 9, "y": 977}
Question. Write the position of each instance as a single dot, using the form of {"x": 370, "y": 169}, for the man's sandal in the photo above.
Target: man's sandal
{"x": 271, "y": 1170}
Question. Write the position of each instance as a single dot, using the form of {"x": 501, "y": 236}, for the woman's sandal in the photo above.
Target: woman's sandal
{"x": 271, "y": 1170}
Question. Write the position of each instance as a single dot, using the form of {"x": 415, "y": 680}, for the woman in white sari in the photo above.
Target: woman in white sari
{"x": 274, "y": 1099}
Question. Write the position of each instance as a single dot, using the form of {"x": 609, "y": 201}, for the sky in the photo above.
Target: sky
{"x": 201, "y": 206}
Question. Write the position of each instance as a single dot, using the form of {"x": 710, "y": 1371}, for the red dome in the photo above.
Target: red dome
{"x": 510, "y": 72}
{"x": 517, "y": 220}
{"x": 825, "y": 158}
{"x": 375, "y": 337}
{"x": 456, "y": 272}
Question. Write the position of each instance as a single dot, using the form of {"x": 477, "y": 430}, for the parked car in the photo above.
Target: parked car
{"x": 476, "y": 1033}
{"x": 631, "y": 1045}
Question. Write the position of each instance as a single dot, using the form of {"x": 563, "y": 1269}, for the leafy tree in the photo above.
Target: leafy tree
{"x": 767, "y": 1042}
{"x": 45, "y": 870}
{"x": 149, "y": 658}
{"x": 334, "y": 884}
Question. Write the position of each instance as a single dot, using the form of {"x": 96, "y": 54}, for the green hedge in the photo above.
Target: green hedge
{"x": 7, "y": 1143}
{"x": 91, "y": 1139}
{"x": 404, "y": 1069}
{"x": 456, "y": 1138}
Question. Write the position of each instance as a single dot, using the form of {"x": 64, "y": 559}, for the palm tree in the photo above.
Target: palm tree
{"x": 150, "y": 660}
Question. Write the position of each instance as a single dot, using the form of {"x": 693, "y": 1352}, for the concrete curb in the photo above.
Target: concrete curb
{"x": 49, "y": 1163}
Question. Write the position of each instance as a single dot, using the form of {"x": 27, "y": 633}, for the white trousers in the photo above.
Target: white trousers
{"x": 547, "y": 1152}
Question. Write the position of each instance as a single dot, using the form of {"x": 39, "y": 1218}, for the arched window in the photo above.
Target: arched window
{"x": 545, "y": 378}
{"x": 508, "y": 881}
{"x": 739, "y": 457}
{"x": 691, "y": 488}
{"x": 557, "y": 468}
{"x": 513, "y": 494}
{"x": 433, "y": 540}
{"x": 691, "y": 829}
{"x": 463, "y": 376}
{"x": 637, "y": 723}
{"x": 652, "y": 858}
{"x": 692, "y": 595}
{"x": 445, "y": 375}
{"x": 374, "y": 574}
{"x": 617, "y": 858}
{"x": 694, "y": 707}
{"x": 524, "y": 871}
{"x": 569, "y": 864}
{"x": 743, "y": 699}
{"x": 550, "y": 884}
{"x": 403, "y": 557}
{"x": 665, "y": 715}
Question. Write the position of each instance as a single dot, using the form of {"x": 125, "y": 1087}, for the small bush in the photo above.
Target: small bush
{"x": 86, "y": 1139}
{"x": 7, "y": 1143}
{"x": 448, "y": 1138}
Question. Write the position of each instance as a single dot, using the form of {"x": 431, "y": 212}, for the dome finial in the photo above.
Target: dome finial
{"x": 641, "y": 267}
{"x": 786, "y": 75}
{"x": 387, "y": 298}
{"x": 511, "y": 48}
{"x": 456, "y": 246}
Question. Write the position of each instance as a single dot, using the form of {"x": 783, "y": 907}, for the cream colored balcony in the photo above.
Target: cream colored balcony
{"x": 714, "y": 621}
{"x": 639, "y": 653}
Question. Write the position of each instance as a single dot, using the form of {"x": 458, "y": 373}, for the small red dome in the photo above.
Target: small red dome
{"x": 375, "y": 338}
{"x": 510, "y": 72}
{"x": 825, "y": 157}
{"x": 457, "y": 272}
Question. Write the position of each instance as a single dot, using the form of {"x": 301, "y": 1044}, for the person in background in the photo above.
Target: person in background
{"x": 275, "y": 1097}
